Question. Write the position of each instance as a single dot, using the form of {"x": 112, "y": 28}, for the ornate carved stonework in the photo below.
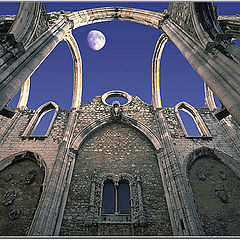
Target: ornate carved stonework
{"x": 94, "y": 214}
{"x": 14, "y": 214}
{"x": 9, "y": 197}
{"x": 116, "y": 110}
{"x": 30, "y": 177}
{"x": 222, "y": 194}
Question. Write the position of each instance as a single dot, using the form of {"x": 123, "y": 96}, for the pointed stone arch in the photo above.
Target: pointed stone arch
{"x": 186, "y": 107}
{"x": 41, "y": 111}
{"x": 156, "y": 94}
{"x": 79, "y": 139}
{"x": 23, "y": 178}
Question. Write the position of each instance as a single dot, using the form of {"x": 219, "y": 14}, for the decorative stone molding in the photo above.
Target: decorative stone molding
{"x": 116, "y": 93}
{"x": 95, "y": 215}
{"x": 82, "y": 135}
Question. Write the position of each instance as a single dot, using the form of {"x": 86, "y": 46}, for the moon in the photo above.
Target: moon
{"x": 96, "y": 40}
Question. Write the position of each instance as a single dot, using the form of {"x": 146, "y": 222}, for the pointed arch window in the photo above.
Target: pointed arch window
{"x": 194, "y": 125}
{"x": 42, "y": 121}
{"x": 108, "y": 197}
{"x": 123, "y": 198}
{"x": 116, "y": 204}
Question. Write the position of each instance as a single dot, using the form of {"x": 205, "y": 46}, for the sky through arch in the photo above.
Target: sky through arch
{"x": 125, "y": 62}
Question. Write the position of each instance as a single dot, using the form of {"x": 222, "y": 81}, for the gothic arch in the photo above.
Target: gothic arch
{"x": 77, "y": 61}
{"x": 37, "y": 117}
{"x": 19, "y": 171}
{"x": 156, "y": 94}
{"x": 79, "y": 139}
{"x": 31, "y": 155}
{"x": 196, "y": 117}
{"x": 220, "y": 73}
{"x": 229, "y": 161}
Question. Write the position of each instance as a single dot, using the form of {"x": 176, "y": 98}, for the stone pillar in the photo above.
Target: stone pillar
{"x": 183, "y": 214}
{"x": 141, "y": 216}
{"x": 220, "y": 73}
{"x": 15, "y": 75}
{"x": 46, "y": 216}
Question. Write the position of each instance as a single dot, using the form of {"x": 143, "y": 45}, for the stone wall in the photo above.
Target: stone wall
{"x": 113, "y": 150}
{"x": 120, "y": 151}
{"x": 216, "y": 191}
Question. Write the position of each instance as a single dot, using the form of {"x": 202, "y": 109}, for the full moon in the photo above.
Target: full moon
{"x": 96, "y": 40}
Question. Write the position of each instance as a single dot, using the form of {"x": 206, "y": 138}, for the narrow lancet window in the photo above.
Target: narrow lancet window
{"x": 44, "y": 123}
{"x": 123, "y": 198}
{"x": 108, "y": 197}
{"x": 189, "y": 124}
{"x": 191, "y": 121}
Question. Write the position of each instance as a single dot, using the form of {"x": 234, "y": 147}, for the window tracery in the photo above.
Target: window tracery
{"x": 124, "y": 204}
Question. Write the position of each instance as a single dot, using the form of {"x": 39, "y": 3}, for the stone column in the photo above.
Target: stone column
{"x": 183, "y": 214}
{"x": 141, "y": 215}
{"x": 46, "y": 216}
{"x": 15, "y": 75}
{"x": 220, "y": 73}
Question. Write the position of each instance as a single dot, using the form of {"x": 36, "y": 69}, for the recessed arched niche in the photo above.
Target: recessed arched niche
{"x": 216, "y": 192}
{"x": 116, "y": 197}
{"x": 20, "y": 190}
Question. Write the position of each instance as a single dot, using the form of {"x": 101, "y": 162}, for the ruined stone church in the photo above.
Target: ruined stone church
{"x": 130, "y": 169}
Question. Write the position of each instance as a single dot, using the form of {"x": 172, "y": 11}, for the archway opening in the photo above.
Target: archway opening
{"x": 189, "y": 124}
{"x": 53, "y": 80}
{"x": 178, "y": 80}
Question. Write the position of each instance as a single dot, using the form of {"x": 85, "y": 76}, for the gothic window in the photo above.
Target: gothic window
{"x": 42, "y": 121}
{"x": 116, "y": 199}
{"x": 108, "y": 197}
{"x": 194, "y": 125}
{"x": 120, "y": 199}
{"x": 123, "y": 198}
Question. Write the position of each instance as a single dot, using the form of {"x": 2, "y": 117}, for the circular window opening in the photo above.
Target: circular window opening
{"x": 121, "y": 100}
{"x": 116, "y": 95}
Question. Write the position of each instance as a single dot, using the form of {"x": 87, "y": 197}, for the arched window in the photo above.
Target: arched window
{"x": 189, "y": 124}
{"x": 123, "y": 198}
{"x": 42, "y": 121}
{"x": 116, "y": 200}
{"x": 195, "y": 126}
{"x": 43, "y": 124}
{"x": 108, "y": 197}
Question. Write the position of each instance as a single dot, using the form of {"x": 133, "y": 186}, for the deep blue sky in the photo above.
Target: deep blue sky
{"x": 124, "y": 63}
